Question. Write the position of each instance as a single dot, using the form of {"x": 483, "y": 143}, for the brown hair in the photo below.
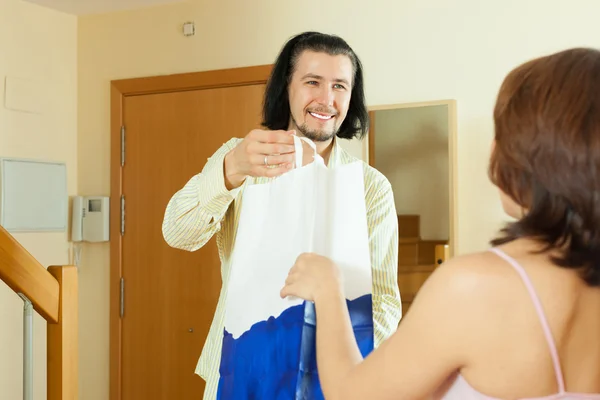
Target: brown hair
{"x": 547, "y": 155}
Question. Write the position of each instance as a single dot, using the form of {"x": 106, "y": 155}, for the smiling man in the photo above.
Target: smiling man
{"x": 315, "y": 90}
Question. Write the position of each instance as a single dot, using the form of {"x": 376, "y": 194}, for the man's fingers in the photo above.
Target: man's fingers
{"x": 259, "y": 159}
{"x": 273, "y": 148}
{"x": 281, "y": 136}
{"x": 269, "y": 148}
{"x": 272, "y": 171}
{"x": 284, "y": 137}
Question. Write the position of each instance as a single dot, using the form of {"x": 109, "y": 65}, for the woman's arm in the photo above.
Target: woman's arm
{"x": 431, "y": 342}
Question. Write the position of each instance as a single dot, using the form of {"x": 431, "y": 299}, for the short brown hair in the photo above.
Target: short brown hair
{"x": 547, "y": 155}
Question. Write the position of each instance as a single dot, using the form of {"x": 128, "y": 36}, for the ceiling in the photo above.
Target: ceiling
{"x": 86, "y": 7}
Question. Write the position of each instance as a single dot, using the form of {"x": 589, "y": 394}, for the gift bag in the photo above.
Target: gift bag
{"x": 269, "y": 348}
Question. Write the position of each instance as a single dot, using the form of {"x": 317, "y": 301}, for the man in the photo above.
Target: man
{"x": 316, "y": 91}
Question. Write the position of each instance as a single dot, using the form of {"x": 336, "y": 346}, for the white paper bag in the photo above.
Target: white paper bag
{"x": 269, "y": 343}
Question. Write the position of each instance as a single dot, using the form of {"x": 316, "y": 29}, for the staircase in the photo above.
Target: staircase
{"x": 52, "y": 293}
{"x": 417, "y": 258}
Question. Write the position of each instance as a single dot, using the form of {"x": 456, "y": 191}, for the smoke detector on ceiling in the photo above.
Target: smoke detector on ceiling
{"x": 189, "y": 29}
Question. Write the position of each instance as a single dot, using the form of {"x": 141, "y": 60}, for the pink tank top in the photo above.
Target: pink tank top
{"x": 460, "y": 389}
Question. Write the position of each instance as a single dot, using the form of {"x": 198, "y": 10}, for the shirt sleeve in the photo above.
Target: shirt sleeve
{"x": 383, "y": 241}
{"x": 194, "y": 213}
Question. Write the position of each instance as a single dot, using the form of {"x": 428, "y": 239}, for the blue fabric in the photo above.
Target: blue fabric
{"x": 276, "y": 359}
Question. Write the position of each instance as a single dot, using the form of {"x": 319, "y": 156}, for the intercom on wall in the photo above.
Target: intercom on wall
{"x": 90, "y": 219}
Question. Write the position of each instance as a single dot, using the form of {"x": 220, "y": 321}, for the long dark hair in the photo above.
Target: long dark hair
{"x": 547, "y": 155}
{"x": 276, "y": 106}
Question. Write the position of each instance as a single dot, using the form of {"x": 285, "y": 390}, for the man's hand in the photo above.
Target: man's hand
{"x": 261, "y": 153}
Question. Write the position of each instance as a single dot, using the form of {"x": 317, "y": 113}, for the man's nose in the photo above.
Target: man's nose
{"x": 326, "y": 96}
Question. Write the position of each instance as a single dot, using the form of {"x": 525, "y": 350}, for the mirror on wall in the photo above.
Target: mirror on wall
{"x": 413, "y": 145}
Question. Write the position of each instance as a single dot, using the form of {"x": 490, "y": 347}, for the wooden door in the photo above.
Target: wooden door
{"x": 170, "y": 295}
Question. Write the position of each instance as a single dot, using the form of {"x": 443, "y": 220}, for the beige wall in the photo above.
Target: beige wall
{"x": 412, "y": 50}
{"x": 38, "y": 46}
{"x": 411, "y": 150}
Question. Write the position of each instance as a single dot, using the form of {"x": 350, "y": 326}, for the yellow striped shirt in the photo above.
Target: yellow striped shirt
{"x": 204, "y": 207}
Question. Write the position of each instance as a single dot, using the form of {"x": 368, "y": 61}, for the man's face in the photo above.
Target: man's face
{"x": 319, "y": 93}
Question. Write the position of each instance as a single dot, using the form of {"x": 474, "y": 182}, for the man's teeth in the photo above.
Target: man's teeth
{"x": 320, "y": 116}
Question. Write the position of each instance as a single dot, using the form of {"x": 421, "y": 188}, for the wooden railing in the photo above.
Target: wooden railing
{"x": 53, "y": 293}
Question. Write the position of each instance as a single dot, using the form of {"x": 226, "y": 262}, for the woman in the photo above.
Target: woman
{"x": 523, "y": 319}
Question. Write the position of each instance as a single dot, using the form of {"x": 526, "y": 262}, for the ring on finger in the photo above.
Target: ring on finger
{"x": 267, "y": 160}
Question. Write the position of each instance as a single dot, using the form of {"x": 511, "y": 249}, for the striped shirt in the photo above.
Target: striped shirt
{"x": 204, "y": 207}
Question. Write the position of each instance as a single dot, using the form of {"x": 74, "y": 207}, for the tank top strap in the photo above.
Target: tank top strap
{"x": 541, "y": 315}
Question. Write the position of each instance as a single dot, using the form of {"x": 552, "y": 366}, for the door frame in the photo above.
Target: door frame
{"x": 119, "y": 90}
{"x": 452, "y": 157}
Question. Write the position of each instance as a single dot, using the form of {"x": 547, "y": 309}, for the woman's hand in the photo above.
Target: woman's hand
{"x": 313, "y": 277}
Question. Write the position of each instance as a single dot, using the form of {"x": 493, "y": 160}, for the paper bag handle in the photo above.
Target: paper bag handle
{"x": 299, "y": 149}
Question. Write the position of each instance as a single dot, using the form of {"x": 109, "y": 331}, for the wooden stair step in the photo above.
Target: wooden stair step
{"x": 407, "y": 269}
{"x": 409, "y": 240}
{"x": 414, "y": 251}
{"x": 409, "y": 226}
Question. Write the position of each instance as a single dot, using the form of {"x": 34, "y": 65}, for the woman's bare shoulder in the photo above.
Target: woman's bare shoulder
{"x": 475, "y": 270}
{"x": 470, "y": 284}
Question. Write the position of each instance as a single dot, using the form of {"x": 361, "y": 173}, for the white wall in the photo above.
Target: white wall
{"x": 38, "y": 46}
{"x": 411, "y": 150}
{"x": 412, "y": 50}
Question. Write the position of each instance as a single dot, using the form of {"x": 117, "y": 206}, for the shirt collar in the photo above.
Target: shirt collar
{"x": 336, "y": 152}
